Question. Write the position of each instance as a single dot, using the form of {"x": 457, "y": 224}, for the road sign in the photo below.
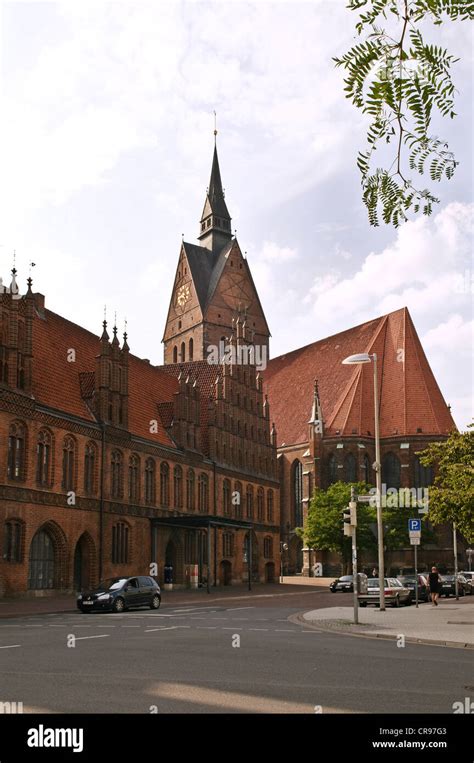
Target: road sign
{"x": 415, "y": 541}
{"x": 415, "y": 533}
{"x": 414, "y": 525}
{"x": 365, "y": 498}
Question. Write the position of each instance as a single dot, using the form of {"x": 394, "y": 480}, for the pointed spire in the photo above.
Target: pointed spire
{"x": 105, "y": 336}
{"x": 215, "y": 218}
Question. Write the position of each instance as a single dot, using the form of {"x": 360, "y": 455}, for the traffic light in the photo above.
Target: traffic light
{"x": 350, "y": 517}
{"x": 347, "y": 521}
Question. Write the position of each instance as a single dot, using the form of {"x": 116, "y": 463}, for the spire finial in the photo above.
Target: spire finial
{"x": 14, "y": 270}
{"x": 215, "y": 126}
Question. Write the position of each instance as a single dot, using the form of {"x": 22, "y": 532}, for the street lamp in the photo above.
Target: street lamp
{"x": 283, "y": 547}
{"x": 358, "y": 359}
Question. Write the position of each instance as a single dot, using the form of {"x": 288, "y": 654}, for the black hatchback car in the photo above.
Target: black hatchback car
{"x": 342, "y": 584}
{"x": 118, "y": 594}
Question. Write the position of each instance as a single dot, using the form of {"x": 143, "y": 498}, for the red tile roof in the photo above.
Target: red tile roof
{"x": 64, "y": 385}
{"x": 410, "y": 399}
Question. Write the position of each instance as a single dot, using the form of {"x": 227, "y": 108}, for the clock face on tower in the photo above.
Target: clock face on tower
{"x": 182, "y": 295}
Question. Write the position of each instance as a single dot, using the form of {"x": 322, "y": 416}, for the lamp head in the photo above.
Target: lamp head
{"x": 353, "y": 360}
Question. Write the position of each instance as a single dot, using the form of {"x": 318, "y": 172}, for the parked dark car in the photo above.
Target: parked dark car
{"x": 394, "y": 593}
{"x": 448, "y": 585}
{"x": 423, "y": 590}
{"x": 118, "y": 594}
{"x": 343, "y": 583}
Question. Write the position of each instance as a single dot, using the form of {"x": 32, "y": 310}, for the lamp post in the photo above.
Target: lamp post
{"x": 358, "y": 360}
{"x": 283, "y": 547}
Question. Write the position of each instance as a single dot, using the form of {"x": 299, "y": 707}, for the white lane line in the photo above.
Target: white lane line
{"x": 235, "y": 609}
{"x": 58, "y": 626}
{"x": 206, "y": 627}
{"x": 225, "y": 628}
{"x": 104, "y": 625}
{"x": 285, "y": 630}
{"x": 258, "y": 629}
{"x": 163, "y": 628}
{"x": 10, "y": 646}
{"x": 102, "y": 635}
{"x": 129, "y": 626}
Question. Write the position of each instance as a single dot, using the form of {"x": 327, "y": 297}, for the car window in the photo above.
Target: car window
{"x": 346, "y": 578}
{"x": 133, "y": 582}
{"x": 396, "y": 583}
{"x": 144, "y": 581}
{"x": 373, "y": 583}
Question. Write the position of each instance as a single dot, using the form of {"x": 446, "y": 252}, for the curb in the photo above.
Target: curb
{"x": 299, "y": 619}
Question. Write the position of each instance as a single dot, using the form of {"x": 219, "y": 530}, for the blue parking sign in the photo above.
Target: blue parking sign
{"x": 414, "y": 525}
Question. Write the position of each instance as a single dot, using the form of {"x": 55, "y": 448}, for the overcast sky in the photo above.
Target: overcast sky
{"x": 106, "y": 138}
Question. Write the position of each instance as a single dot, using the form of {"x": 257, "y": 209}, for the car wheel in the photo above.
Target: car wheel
{"x": 155, "y": 602}
{"x": 396, "y": 603}
{"x": 118, "y": 605}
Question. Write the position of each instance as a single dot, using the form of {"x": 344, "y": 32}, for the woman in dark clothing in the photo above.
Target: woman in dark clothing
{"x": 434, "y": 586}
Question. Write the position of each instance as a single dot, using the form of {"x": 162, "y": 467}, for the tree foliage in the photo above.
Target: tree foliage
{"x": 451, "y": 499}
{"x": 324, "y": 528}
{"x": 398, "y": 79}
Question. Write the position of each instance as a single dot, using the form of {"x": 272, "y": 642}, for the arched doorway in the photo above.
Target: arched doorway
{"x": 225, "y": 572}
{"x": 270, "y": 572}
{"x": 83, "y": 562}
{"x": 42, "y": 561}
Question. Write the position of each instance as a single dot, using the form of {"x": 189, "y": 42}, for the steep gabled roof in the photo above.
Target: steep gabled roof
{"x": 68, "y": 386}
{"x": 201, "y": 263}
{"x": 410, "y": 399}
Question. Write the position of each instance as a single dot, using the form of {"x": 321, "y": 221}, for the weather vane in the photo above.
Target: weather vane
{"x": 215, "y": 124}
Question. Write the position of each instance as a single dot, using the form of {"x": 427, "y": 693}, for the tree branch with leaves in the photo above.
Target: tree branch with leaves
{"x": 398, "y": 79}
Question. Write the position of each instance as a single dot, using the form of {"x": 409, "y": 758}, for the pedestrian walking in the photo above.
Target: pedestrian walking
{"x": 434, "y": 586}
{"x": 375, "y": 574}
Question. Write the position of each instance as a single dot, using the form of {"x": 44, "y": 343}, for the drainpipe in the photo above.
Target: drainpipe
{"x": 215, "y": 528}
{"x": 101, "y": 501}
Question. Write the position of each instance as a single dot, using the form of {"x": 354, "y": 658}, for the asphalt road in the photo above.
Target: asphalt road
{"x": 232, "y": 656}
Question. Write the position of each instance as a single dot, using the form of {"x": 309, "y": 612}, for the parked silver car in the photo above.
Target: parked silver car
{"x": 394, "y": 593}
{"x": 469, "y": 575}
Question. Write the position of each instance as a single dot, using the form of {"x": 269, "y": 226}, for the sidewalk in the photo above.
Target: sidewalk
{"x": 449, "y": 624}
{"x": 49, "y": 605}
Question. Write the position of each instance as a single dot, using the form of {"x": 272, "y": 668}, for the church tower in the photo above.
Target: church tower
{"x": 213, "y": 286}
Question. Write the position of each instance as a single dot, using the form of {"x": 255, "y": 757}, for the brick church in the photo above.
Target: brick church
{"x": 110, "y": 465}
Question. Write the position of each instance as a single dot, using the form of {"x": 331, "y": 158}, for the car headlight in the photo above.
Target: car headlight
{"x": 103, "y": 597}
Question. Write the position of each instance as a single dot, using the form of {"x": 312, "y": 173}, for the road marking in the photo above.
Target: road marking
{"x": 60, "y": 626}
{"x": 206, "y": 627}
{"x": 10, "y": 646}
{"x": 105, "y": 626}
{"x": 258, "y": 629}
{"x": 286, "y": 630}
{"x": 102, "y": 635}
{"x": 129, "y": 626}
{"x": 234, "y": 609}
{"x": 225, "y": 628}
{"x": 162, "y": 628}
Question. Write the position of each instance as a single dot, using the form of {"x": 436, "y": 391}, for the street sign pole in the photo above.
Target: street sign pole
{"x": 354, "y": 568}
{"x": 455, "y": 549}
{"x": 416, "y": 575}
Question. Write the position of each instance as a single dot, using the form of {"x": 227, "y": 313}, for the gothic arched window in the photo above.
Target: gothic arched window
{"x": 150, "y": 483}
{"x": 43, "y": 458}
{"x": 16, "y": 451}
{"x": 332, "y": 469}
{"x": 134, "y": 478}
{"x": 69, "y": 455}
{"x": 90, "y": 458}
{"x": 226, "y": 502}
{"x": 116, "y": 475}
{"x": 190, "y": 491}
{"x": 366, "y": 470}
{"x": 423, "y": 474}
{"x": 350, "y": 468}
{"x": 391, "y": 470}
{"x": 178, "y": 487}
{"x": 164, "y": 484}
{"x": 297, "y": 492}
